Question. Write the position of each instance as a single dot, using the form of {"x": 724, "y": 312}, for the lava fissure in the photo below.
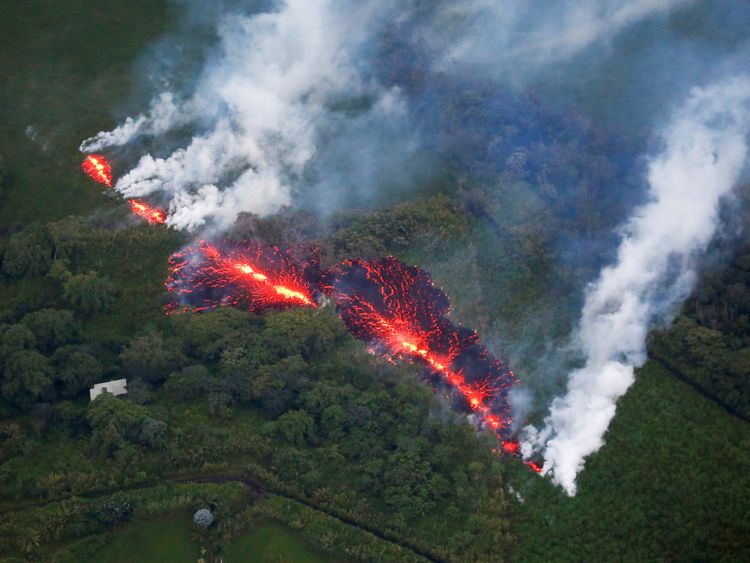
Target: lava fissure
{"x": 98, "y": 169}
{"x": 250, "y": 276}
{"x": 150, "y": 214}
{"x": 396, "y": 306}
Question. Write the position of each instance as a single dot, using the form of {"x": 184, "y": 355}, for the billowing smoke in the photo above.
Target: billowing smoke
{"x": 295, "y": 90}
{"x": 256, "y": 111}
{"x": 520, "y": 38}
{"x": 704, "y": 154}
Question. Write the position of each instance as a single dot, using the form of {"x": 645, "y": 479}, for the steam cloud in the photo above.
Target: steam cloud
{"x": 705, "y": 152}
{"x": 269, "y": 94}
{"x": 257, "y": 108}
{"x": 521, "y": 37}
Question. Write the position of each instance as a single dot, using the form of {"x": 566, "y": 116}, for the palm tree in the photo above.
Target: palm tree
{"x": 28, "y": 540}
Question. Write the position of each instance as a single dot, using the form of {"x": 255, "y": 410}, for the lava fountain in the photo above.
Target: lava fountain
{"x": 98, "y": 169}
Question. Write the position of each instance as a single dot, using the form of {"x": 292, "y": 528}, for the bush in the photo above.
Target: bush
{"x": 115, "y": 510}
{"x": 152, "y": 357}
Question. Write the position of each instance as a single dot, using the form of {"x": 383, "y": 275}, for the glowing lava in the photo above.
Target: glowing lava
{"x": 398, "y": 311}
{"x": 535, "y": 467}
{"x": 151, "y": 214}
{"x": 98, "y": 169}
{"x": 249, "y": 276}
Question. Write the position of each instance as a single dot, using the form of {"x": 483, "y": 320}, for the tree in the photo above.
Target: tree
{"x": 40, "y": 416}
{"x": 219, "y": 405}
{"x": 27, "y": 378}
{"x": 118, "y": 425}
{"x": 71, "y": 417}
{"x": 67, "y": 237}
{"x": 152, "y": 357}
{"x": 51, "y": 327}
{"x": 75, "y": 370}
{"x": 189, "y": 384}
{"x": 29, "y": 253}
{"x": 279, "y": 386}
{"x": 207, "y": 335}
{"x": 14, "y": 338}
{"x": 152, "y": 433}
{"x": 139, "y": 392}
{"x": 299, "y": 331}
{"x": 89, "y": 293}
{"x": 59, "y": 271}
{"x": 296, "y": 427}
{"x": 28, "y": 540}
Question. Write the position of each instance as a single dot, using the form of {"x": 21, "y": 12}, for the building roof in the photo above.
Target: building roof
{"x": 114, "y": 387}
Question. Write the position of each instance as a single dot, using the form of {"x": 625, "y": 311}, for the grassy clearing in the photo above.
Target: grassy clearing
{"x": 162, "y": 540}
{"x": 269, "y": 544}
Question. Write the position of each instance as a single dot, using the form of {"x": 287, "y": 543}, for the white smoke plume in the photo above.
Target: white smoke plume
{"x": 704, "y": 155}
{"x": 266, "y": 96}
{"x": 258, "y": 103}
{"x": 164, "y": 115}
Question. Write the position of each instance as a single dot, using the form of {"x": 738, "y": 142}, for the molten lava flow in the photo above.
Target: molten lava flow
{"x": 151, "y": 214}
{"x": 98, "y": 169}
{"x": 250, "y": 276}
{"x": 535, "y": 467}
{"x": 397, "y": 309}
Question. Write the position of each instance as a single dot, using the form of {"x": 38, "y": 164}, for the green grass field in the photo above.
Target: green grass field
{"x": 163, "y": 540}
{"x": 168, "y": 540}
{"x": 270, "y": 543}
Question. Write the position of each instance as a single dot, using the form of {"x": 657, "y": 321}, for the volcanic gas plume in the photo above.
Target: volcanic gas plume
{"x": 251, "y": 276}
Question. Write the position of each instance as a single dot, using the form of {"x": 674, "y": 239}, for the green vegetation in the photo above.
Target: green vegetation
{"x": 710, "y": 343}
{"x": 344, "y": 445}
{"x": 165, "y": 540}
{"x": 670, "y": 485}
{"x": 268, "y": 544}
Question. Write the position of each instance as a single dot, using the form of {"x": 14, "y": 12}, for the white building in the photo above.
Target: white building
{"x": 114, "y": 387}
